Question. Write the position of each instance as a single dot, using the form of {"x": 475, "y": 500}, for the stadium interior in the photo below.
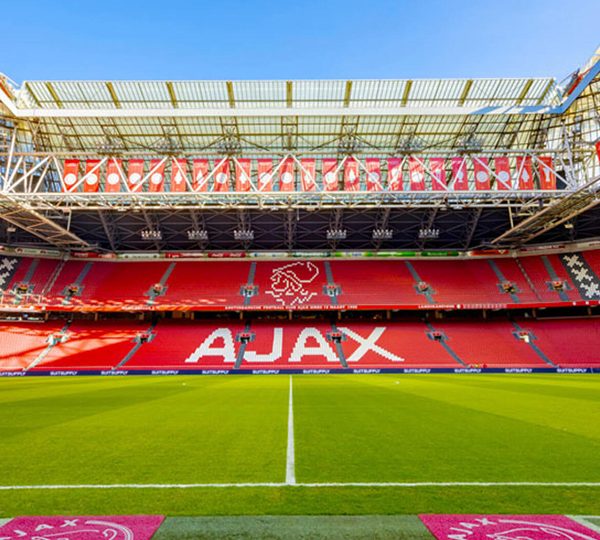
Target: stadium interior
{"x": 299, "y": 308}
{"x": 294, "y": 226}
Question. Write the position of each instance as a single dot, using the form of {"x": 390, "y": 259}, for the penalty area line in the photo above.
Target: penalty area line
{"x": 301, "y": 485}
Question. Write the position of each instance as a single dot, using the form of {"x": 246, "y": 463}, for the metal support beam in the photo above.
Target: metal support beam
{"x": 289, "y": 93}
{"x": 54, "y": 95}
{"x": 39, "y": 225}
{"x": 290, "y": 228}
{"x": 111, "y": 90}
{"x": 465, "y": 92}
{"x": 109, "y": 230}
{"x": 550, "y": 217}
{"x": 347, "y": 93}
{"x": 472, "y": 226}
{"x": 172, "y": 95}
{"x": 230, "y": 95}
{"x": 428, "y": 224}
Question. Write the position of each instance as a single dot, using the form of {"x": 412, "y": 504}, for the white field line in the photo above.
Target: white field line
{"x": 585, "y": 522}
{"x": 301, "y": 485}
{"x": 290, "y": 462}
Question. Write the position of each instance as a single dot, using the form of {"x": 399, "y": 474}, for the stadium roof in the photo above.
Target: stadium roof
{"x": 268, "y": 95}
{"x": 187, "y": 117}
{"x": 46, "y": 122}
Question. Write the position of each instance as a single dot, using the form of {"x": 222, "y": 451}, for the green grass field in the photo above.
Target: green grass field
{"x": 347, "y": 429}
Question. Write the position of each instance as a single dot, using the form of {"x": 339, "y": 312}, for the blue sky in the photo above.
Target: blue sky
{"x": 330, "y": 39}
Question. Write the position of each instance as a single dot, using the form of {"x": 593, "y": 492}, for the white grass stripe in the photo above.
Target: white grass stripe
{"x": 301, "y": 485}
{"x": 290, "y": 462}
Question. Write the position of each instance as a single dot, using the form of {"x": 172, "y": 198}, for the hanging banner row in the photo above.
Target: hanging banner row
{"x": 411, "y": 173}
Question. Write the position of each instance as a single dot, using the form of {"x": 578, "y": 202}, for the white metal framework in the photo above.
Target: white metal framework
{"x": 44, "y": 123}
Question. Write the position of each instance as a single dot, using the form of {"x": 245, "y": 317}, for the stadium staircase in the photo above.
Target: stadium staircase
{"x": 140, "y": 341}
{"x": 442, "y": 339}
{"x": 529, "y": 338}
{"x": 53, "y": 277}
{"x": 53, "y": 340}
{"x": 528, "y": 279}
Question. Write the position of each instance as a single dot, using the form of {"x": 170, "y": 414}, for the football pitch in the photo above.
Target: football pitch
{"x": 305, "y": 444}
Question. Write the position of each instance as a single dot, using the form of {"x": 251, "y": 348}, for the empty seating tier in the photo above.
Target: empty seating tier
{"x": 294, "y": 345}
{"x": 500, "y": 282}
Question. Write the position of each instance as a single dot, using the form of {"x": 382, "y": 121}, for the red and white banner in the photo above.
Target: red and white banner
{"x": 92, "y": 176}
{"x": 460, "y": 180}
{"x": 598, "y": 150}
{"x": 524, "y": 172}
{"x": 135, "y": 173}
{"x": 394, "y": 176}
{"x": 243, "y": 171}
{"x": 221, "y": 176}
{"x": 286, "y": 175}
{"x": 546, "y": 172}
{"x": 416, "y": 174}
{"x": 200, "y": 172}
{"x": 373, "y": 174}
{"x": 70, "y": 174}
{"x": 503, "y": 177}
{"x": 481, "y": 170}
{"x": 178, "y": 175}
{"x": 265, "y": 175}
{"x": 308, "y": 173}
{"x": 114, "y": 175}
{"x": 157, "y": 175}
{"x": 351, "y": 175}
{"x": 330, "y": 174}
{"x": 437, "y": 165}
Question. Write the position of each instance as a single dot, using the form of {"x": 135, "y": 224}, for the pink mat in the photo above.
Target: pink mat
{"x": 506, "y": 527}
{"x": 81, "y": 528}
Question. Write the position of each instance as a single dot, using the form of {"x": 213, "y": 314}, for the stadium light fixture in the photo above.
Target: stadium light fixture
{"x": 197, "y": 234}
{"x": 151, "y": 234}
{"x": 243, "y": 235}
{"x": 382, "y": 234}
{"x": 429, "y": 233}
{"x": 337, "y": 234}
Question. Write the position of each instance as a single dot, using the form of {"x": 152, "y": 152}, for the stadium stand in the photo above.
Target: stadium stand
{"x": 115, "y": 286}
{"x": 568, "y": 342}
{"x": 92, "y": 345}
{"x": 391, "y": 244}
{"x": 496, "y": 344}
{"x": 213, "y": 284}
{"x": 406, "y": 344}
{"x": 22, "y": 343}
{"x": 177, "y": 344}
{"x": 299, "y": 285}
{"x": 290, "y": 345}
{"x": 463, "y": 282}
{"x": 549, "y": 278}
{"x": 301, "y": 345}
{"x": 68, "y": 283}
{"x": 376, "y": 283}
{"x": 290, "y": 285}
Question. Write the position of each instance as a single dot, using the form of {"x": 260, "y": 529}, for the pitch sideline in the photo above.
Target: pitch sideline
{"x": 299, "y": 485}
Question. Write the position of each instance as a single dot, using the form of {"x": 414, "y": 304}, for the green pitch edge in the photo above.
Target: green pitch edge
{"x": 276, "y": 527}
